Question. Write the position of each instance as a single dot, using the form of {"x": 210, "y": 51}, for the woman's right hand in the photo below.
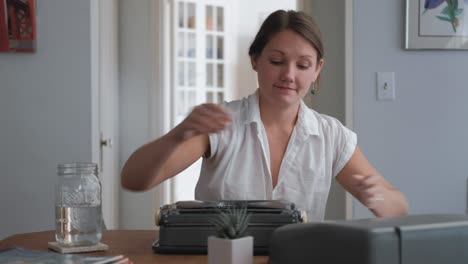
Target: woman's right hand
{"x": 204, "y": 119}
{"x": 170, "y": 154}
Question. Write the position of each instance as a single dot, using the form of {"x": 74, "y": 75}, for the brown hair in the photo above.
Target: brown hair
{"x": 280, "y": 20}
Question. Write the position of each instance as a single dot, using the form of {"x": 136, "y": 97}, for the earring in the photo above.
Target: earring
{"x": 313, "y": 89}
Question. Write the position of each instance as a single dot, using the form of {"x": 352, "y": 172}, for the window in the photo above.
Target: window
{"x": 199, "y": 69}
{"x": 199, "y": 63}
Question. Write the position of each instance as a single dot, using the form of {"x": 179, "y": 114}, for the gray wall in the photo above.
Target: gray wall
{"x": 45, "y": 114}
{"x": 419, "y": 141}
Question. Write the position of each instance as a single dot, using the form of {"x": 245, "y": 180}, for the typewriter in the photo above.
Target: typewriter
{"x": 184, "y": 227}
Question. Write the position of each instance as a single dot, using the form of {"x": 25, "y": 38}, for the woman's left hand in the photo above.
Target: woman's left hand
{"x": 370, "y": 190}
{"x": 375, "y": 193}
{"x": 360, "y": 179}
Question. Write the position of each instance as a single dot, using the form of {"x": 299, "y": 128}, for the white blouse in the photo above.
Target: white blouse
{"x": 238, "y": 167}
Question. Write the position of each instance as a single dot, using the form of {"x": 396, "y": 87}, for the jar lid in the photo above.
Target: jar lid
{"x": 77, "y": 165}
{"x": 74, "y": 167}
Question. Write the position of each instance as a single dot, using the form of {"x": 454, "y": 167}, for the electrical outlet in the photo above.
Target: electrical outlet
{"x": 385, "y": 86}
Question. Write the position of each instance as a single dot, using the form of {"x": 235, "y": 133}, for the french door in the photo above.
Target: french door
{"x": 199, "y": 69}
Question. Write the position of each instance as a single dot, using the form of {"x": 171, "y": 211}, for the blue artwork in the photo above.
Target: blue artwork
{"x": 451, "y": 13}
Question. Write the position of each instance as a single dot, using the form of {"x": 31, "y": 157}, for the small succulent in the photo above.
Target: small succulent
{"x": 231, "y": 223}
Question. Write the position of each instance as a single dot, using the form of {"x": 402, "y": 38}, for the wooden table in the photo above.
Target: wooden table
{"x": 136, "y": 244}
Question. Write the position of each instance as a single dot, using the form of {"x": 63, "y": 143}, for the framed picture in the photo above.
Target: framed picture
{"x": 17, "y": 26}
{"x": 436, "y": 24}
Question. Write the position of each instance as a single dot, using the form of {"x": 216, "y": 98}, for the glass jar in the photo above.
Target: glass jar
{"x": 78, "y": 214}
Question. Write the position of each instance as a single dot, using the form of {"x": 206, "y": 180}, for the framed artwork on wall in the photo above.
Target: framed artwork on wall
{"x": 436, "y": 24}
{"x": 17, "y": 26}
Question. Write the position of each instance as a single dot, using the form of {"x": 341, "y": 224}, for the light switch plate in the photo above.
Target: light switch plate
{"x": 385, "y": 86}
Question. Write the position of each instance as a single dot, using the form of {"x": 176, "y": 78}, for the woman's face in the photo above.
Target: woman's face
{"x": 286, "y": 68}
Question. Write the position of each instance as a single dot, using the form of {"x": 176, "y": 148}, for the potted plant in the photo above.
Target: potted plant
{"x": 231, "y": 245}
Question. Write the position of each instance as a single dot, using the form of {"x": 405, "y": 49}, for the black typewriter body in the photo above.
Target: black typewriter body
{"x": 184, "y": 227}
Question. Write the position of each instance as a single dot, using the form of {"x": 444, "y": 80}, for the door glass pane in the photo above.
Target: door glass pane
{"x": 220, "y": 97}
{"x": 209, "y": 18}
{"x": 220, "y": 73}
{"x": 209, "y": 97}
{"x": 181, "y": 14}
{"x": 192, "y": 100}
{"x": 180, "y": 102}
{"x": 181, "y": 73}
{"x": 191, "y": 15}
{"x": 220, "y": 47}
{"x": 180, "y": 47}
{"x": 209, "y": 47}
{"x": 209, "y": 74}
{"x": 192, "y": 45}
{"x": 192, "y": 74}
{"x": 220, "y": 19}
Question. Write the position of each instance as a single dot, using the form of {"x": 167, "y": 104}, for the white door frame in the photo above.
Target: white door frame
{"x": 349, "y": 86}
{"x": 160, "y": 90}
{"x": 104, "y": 104}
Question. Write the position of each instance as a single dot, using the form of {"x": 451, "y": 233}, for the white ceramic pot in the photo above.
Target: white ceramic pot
{"x": 230, "y": 251}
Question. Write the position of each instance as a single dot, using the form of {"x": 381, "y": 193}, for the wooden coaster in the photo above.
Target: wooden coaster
{"x": 63, "y": 249}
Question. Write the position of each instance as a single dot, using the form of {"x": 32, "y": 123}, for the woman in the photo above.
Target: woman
{"x": 269, "y": 145}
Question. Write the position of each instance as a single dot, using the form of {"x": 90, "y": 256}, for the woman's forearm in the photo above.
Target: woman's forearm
{"x": 393, "y": 203}
{"x": 165, "y": 157}
{"x": 145, "y": 167}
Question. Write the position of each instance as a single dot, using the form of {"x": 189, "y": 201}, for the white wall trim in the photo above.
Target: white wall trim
{"x": 349, "y": 89}
{"x": 94, "y": 46}
{"x": 108, "y": 70}
{"x": 104, "y": 103}
{"x": 160, "y": 88}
